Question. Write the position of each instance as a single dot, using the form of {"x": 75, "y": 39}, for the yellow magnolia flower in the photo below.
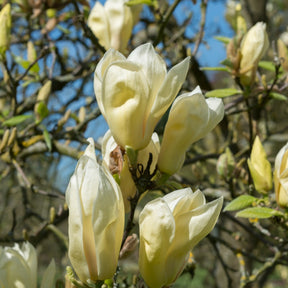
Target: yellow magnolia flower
{"x": 5, "y": 28}
{"x": 134, "y": 93}
{"x": 112, "y": 23}
{"x": 96, "y": 219}
{"x": 169, "y": 228}
{"x": 18, "y": 268}
{"x": 281, "y": 176}
{"x": 121, "y": 166}
{"x": 191, "y": 117}
{"x": 260, "y": 168}
{"x": 253, "y": 47}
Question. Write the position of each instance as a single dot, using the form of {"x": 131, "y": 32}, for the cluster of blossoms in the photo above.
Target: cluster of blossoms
{"x": 133, "y": 94}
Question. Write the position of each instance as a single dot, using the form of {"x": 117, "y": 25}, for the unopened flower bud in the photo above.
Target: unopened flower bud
{"x": 260, "y": 167}
{"x": 5, "y": 28}
{"x": 253, "y": 47}
{"x": 226, "y": 164}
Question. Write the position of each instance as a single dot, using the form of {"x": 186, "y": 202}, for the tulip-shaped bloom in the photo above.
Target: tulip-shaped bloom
{"x": 134, "y": 93}
{"x": 96, "y": 219}
{"x": 260, "y": 168}
{"x": 112, "y": 23}
{"x": 169, "y": 228}
{"x": 18, "y": 268}
{"x": 119, "y": 164}
{"x": 281, "y": 176}
{"x": 5, "y": 28}
{"x": 253, "y": 47}
{"x": 191, "y": 117}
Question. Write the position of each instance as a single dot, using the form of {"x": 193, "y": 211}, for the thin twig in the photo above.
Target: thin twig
{"x": 202, "y": 26}
{"x": 165, "y": 21}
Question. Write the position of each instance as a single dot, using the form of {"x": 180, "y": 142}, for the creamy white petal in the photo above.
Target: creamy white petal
{"x": 99, "y": 24}
{"x": 126, "y": 95}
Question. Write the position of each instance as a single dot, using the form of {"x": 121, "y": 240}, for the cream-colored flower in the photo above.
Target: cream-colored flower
{"x": 260, "y": 168}
{"x": 281, "y": 176}
{"x": 191, "y": 117}
{"x": 134, "y": 93}
{"x": 111, "y": 151}
{"x": 96, "y": 219}
{"x": 253, "y": 47}
{"x": 18, "y": 268}
{"x": 169, "y": 228}
{"x": 112, "y": 23}
{"x": 5, "y": 28}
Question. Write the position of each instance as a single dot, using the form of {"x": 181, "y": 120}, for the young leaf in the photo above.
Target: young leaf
{"x": 137, "y": 2}
{"x": 215, "y": 69}
{"x": 258, "y": 212}
{"x": 223, "y": 39}
{"x": 267, "y": 65}
{"x": 222, "y": 93}
{"x": 16, "y": 120}
{"x": 240, "y": 202}
{"x": 42, "y": 110}
{"x": 278, "y": 96}
{"x": 47, "y": 139}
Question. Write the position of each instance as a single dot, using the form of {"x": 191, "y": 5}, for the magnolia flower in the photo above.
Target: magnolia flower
{"x": 118, "y": 163}
{"x": 5, "y": 28}
{"x": 281, "y": 176}
{"x": 18, "y": 268}
{"x": 253, "y": 47}
{"x": 169, "y": 228}
{"x": 112, "y": 23}
{"x": 191, "y": 117}
{"x": 134, "y": 93}
{"x": 96, "y": 219}
{"x": 260, "y": 168}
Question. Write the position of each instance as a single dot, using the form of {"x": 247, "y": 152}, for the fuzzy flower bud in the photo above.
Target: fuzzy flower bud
{"x": 5, "y": 28}
{"x": 260, "y": 167}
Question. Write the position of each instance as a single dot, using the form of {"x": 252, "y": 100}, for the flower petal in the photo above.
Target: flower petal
{"x": 125, "y": 97}
{"x": 157, "y": 230}
{"x": 99, "y": 24}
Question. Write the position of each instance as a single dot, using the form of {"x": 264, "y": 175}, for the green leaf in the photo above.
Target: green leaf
{"x": 228, "y": 63}
{"x": 147, "y": 2}
{"x": 267, "y": 65}
{"x": 16, "y": 120}
{"x": 240, "y": 202}
{"x": 223, "y": 39}
{"x": 25, "y": 64}
{"x": 215, "y": 69}
{"x": 47, "y": 139}
{"x": 259, "y": 212}
{"x": 222, "y": 93}
{"x": 42, "y": 110}
{"x": 278, "y": 96}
